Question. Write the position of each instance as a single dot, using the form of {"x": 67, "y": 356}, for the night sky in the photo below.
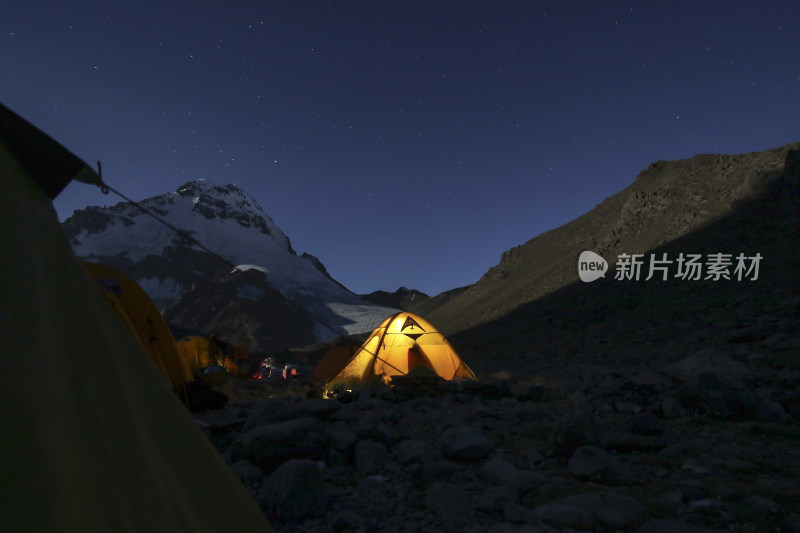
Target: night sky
{"x": 402, "y": 143}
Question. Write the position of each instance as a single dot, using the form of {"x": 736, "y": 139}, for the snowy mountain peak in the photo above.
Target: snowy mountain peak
{"x": 230, "y": 223}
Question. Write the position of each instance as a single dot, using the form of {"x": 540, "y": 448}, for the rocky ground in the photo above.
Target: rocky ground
{"x": 646, "y": 406}
{"x": 708, "y": 442}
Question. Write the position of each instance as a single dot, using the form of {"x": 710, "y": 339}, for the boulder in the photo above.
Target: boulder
{"x": 593, "y": 511}
{"x": 270, "y": 445}
{"x": 296, "y": 489}
{"x": 596, "y": 464}
{"x": 465, "y": 442}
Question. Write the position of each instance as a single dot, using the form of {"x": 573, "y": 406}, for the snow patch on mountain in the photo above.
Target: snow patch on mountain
{"x": 230, "y": 223}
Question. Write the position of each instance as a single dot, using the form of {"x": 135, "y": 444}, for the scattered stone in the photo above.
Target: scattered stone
{"x": 370, "y": 456}
{"x": 247, "y": 471}
{"x": 346, "y": 519}
{"x": 645, "y": 424}
{"x": 792, "y": 524}
{"x": 504, "y": 473}
{"x": 592, "y": 511}
{"x": 410, "y": 451}
{"x": 673, "y": 525}
{"x": 496, "y": 498}
{"x": 717, "y": 397}
{"x": 708, "y": 360}
{"x": 266, "y": 411}
{"x": 319, "y": 408}
{"x": 753, "y": 333}
{"x": 740, "y": 465}
{"x": 575, "y": 430}
{"x": 763, "y": 504}
{"x": 450, "y": 502}
{"x": 296, "y": 489}
{"x": 627, "y": 407}
{"x": 465, "y": 442}
{"x": 341, "y": 439}
{"x": 596, "y": 464}
{"x": 671, "y": 408}
{"x": 270, "y": 445}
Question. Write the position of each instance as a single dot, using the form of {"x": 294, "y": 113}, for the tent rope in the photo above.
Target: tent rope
{"x": 105, "y": 188}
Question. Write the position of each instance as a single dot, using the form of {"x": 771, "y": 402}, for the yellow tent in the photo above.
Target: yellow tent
{"x": 334, "y": 359}
{"x": 199, "y": 353}
{"x": 140, "y": 315}
{"x": 92, "y": 437}
{"x": 401, "y": 343}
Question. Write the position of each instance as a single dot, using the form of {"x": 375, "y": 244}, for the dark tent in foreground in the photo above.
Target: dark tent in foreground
{"x": 92, "y": 437}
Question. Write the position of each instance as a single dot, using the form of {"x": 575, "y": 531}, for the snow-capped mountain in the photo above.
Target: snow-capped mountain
{"x": 245, "y": 279}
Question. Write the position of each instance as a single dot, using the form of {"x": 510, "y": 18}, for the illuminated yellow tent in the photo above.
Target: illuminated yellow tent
{"x": 401, "y": 343}
{"x": 335, "y": 359}
{"x": 140, "y": 315}
{"x": 92, "y": 437}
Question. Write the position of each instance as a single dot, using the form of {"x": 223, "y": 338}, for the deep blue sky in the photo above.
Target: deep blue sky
{"x": 403, "y": 143}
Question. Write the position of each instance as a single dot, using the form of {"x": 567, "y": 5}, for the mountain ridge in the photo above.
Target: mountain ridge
{"x": 666, "y": 200}
{"x": 164, "y": 257}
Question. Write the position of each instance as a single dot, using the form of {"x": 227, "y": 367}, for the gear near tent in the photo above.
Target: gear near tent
{"x": 93, "y": 438}
{"x": 400, "y": 344}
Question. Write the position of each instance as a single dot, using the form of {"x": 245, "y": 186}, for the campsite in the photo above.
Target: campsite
{"x": 645, "y": 410}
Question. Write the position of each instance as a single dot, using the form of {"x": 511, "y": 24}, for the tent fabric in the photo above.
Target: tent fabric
{"x": 401, "y": 343}
{"x": 143, "y": 320}
{"x": 93, "y": 438}
{"x": 334, "y": 359}
{"x": 41, "y": 157}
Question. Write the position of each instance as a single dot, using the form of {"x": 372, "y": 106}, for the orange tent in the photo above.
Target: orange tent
{"x": 335, "y": 359}
{"x": 401, "y": 343}
{"x": 142, "y": 319}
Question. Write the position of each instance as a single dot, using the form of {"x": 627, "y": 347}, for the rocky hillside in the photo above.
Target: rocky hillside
{"x": 666, "y": 201}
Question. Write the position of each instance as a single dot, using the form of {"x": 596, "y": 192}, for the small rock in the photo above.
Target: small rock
{"x": 246, "y": 471}
{"x": 592, "y": 511}
{"x": 575, "y": 430}
{"x": 645, "y": 424}
{"x": 450, "y": 502}
{"x": 770, "y": 411}
{"x": 740, "y": 465}
{"x": 673, "y": 498}
{"x": 319, "y": 408}
{"x": 673, "y": 525}
{"x": 627, "y": 407}
{"x": 346, "y": 519}
{"x": 792, "y": 524}
{"x": 519, "y": 514}
{"x": 410, "y": 451}
{"x": 370, "y": 456}
{"x": 505, "y": 473}
{"x": 763, "y": 504}
{"x": 296, "y": 489}
{"x": 266, "y": 411}
{"x": 671, "y": 408}
{"x": 496, "y": 498}
{"x": 753, "y": 333}
{"x": 594, "y": 463}
{"x": 270, "y": 445}
{"x": 341, "y": 439}
{"x": 708, "y": 360}
{"x": 465, "y": 442}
